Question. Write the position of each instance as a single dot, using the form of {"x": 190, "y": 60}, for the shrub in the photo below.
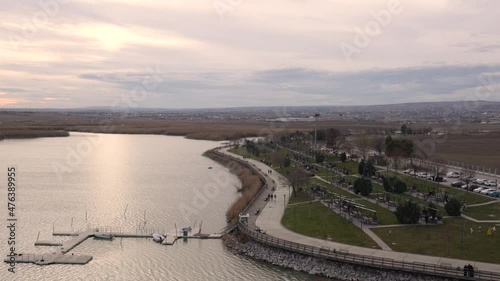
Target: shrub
{"x": 343, "y": 157}
{"x": 399, "y": 186}
{"x": 408, "y": 213}
{"x": 453, "y": 207}
{"x": 394, "y": 185}
{"x": 363, "y": 186}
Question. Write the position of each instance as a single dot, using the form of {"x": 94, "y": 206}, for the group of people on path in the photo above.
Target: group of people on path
{"x": 269, "y": 172}
{"x": 271, "y": 197}
{"x": 469, "y": 270}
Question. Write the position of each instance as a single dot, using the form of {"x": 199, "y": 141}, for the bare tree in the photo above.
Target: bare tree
{"x": 278, "y": 158}
{"x": 332, "y": 138}
{"x": 378, "y": 144}
{"x": 438, "y": 166}
{"x": 297, "y": 176}
{"x": 363, "y": 145}
{"x": 468, "y": 176}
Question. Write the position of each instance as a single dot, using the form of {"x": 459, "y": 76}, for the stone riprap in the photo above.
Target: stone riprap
{"x": 319, "y": 266}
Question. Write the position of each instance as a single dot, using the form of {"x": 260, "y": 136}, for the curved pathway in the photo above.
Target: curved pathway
{"x": 269, "y": 219}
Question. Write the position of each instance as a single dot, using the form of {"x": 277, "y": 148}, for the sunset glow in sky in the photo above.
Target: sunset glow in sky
{"x": 223, "y": 53}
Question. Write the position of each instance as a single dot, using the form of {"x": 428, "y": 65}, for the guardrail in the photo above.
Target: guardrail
{"x": 444, "y": 270}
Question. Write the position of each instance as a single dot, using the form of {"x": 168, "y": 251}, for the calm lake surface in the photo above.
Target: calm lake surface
{"x": 127, "y": 182}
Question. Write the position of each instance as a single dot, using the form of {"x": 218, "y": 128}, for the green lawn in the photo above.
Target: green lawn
{"x": 332, "y": 188}
{"x": 324, "y": 224}
{"x": 444, "y": 240}
{"x": 350, "y": 165}
{"x": 300, "y": 197}
{"x": 485, "y": 212}
{"x": 385, "y": 217}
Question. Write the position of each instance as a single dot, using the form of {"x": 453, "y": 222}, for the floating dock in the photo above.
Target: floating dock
{"x": 62, "y": 257}
{"x": 49, "y": 258}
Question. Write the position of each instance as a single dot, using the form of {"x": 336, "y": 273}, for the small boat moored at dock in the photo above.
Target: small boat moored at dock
{"x": 158, "y": 237}
{"x": 104, "y": 236}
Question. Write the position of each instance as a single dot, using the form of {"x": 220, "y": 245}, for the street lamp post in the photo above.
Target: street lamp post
{"x": 361, "y": 220}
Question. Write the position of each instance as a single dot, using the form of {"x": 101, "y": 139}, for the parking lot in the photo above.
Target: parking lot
{"x": 481, "y": 184}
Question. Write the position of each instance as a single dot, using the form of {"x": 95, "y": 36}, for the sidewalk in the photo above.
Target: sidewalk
{"x": 269, "y": 219}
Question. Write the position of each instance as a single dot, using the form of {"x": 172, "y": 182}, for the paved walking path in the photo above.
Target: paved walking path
{"x": 269, "y": 219}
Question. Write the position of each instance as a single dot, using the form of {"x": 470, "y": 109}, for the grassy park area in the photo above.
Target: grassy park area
{"x": 484, "y": 212}
{"x": 315, "y": 220}
{"x": 324, "y": 224}
{"x": 444, "y": 240}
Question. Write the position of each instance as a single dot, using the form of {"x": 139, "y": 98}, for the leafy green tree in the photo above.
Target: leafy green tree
{"x": 400, "y": 186}
{"x": 363, "y": 186}
{"x": 361, "y": 167}
{"x": 453, "y": 207}
{"x": 369, "y": 170}
{"x": 343, "y": 157}
{"x": 320, "y": 157}
{"x": 286, "y": 162}
{"x": 408, "y": 213}
{"x": 394, "y": 184}
{"x": 388, "y": 183}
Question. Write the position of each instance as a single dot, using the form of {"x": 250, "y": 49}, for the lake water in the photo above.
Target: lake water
{"x": 127, "y": 182}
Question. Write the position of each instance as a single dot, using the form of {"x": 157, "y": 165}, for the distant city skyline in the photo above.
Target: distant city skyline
{"x": 221, "y": 53}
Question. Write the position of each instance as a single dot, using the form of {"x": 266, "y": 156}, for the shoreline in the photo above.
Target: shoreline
{"x": 251, "y": 182}
{"x": 318, "y": 266}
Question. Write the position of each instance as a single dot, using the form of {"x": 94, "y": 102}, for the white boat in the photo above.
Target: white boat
{"x": 158, "y": 237}
{"x": 187, "y": 228}
{"x": 104, "y": 236}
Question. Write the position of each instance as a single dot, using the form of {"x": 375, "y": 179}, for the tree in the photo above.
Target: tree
{"x": 320, "y": 157}
{"x": 286, "y": 162}
{"x": 396, "y": 149}
{"x": 332, "y": 136}
{"x": 453, "y": 207}
{"x": 278, "y": 158}
{"x": 370, "y": 170}
{"x": 252, "y": 148}
{"x": 404, "y": 129}
{"x": 408, "y": 213}
{"x": 361, "y": 167}
{"x": 468, "y": 176}
{"x": 363, "y": 145}
{"x": 378, "y": 144}
{"x": 297, "y": 176}
{"x": 343, "y": 157}
{"x": 400, "y": 186}
{"x": 363, "y": 186}
{"x": 438, "y": 166}
{"x": 394, "y": 184}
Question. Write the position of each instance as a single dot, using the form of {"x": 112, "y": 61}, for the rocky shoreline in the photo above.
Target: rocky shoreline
{"x": 317, "y": 266}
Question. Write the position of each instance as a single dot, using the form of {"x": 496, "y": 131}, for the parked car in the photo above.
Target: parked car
{"x": 486, "y": 190}
{"x": 453, "y": 175}
{"x": 494, "y": 193}
{"x": 473, "y": 186}
{"x": 440, "y": 179}
{"x": 422, "y": 175}
{"x": 480, "y": 181}
{"x": 490, "y": 183}
{"x": 479, "y": 189}
{"x": 457, "y": 184}
{"x": 408, "y": 171}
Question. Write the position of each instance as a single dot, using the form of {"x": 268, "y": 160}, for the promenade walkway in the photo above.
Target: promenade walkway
{"x": 269, "y": 219}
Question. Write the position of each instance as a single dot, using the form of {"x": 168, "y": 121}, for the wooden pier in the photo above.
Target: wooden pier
{"x": 62, "y": 257}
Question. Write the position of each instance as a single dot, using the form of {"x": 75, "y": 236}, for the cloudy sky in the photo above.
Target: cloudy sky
{"x": 221, "y": 53}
